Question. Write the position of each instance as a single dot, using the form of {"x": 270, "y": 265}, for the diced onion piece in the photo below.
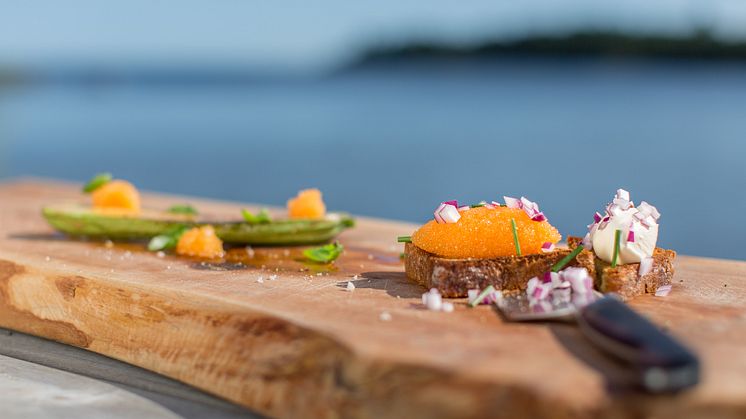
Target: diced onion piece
{"x": 663, "y": 290}
{"x": 452, "y": 202}
{"x": 512, "y": 202}
{"x": 547, "y": 247}
{"x": 447, "y": 307}
{"x": 646, "y": 266}
{"x": 464, "y": 208}
{"x": 597, "y": 218}
{"x": 433, "y": 300}
{"x": 532, "y": 284}
{"x": 631, "y": 235}
{"x": 622, "y": 194}
{"x": 450, "y": 214}
{"x": 579, "y": 279}
{"x": 541, "y": 291}
{"x": 436, "y": 214}
{"x": 539, "y": 217}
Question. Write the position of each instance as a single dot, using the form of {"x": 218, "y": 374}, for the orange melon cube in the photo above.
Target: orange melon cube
{"x": 200, "y": 242}
{"x": 117, "y": 194}
{"x": 308, "y": 204}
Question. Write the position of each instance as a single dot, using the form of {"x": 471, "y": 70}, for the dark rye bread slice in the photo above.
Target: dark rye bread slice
{"x": 454, "y": 277}
{"x": 625, "y": 279}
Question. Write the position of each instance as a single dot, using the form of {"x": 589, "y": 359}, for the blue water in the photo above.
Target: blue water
{"x": 394, "y": 142}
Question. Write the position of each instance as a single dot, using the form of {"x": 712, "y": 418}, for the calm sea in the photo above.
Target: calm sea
{"x": 394, "y": 142}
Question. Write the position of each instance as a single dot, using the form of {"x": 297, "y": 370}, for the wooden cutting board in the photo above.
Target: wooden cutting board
{"x": 297, "y": 343}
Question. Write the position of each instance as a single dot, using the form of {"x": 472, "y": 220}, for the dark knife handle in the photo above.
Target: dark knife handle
{"x": 662, "y": 362}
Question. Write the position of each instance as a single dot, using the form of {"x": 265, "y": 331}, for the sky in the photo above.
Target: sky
{"x": 312, "y": 34}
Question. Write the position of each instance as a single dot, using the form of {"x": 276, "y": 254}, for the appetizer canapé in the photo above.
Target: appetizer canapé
{"x": 473, "y": 247}
{"x": 116, "y": 214}
{"x": 620, "y": 250}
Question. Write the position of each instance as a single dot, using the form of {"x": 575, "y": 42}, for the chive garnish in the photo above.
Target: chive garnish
{"x": 404, "y": 239}
{"x": 485, "y": 292}
{"x": 617, "y": 239}
{"x": 98, "y": 181}
{"x": 481, "y": 204}
{"x": 565, "y": 260}
{"x": 515, "y": 237}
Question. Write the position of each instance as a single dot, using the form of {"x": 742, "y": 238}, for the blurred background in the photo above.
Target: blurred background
{"x": 390, "y": 107}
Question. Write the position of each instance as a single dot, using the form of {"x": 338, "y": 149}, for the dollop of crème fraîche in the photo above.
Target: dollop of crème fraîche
{"x": 485, "y": 232}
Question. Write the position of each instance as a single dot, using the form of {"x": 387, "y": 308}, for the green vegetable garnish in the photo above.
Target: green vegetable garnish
{"x": 261, "y": 218}
{"x": 515, "y": 237}
{"x": 485, "y": 292}
{"x": 166, "y": 240}
{"x": 481, "y": 204}
{"x": 98, "y": 181}
{"x": 183, "y": 209}
{"x": 404, "y": 239}
{"x": 617, "y": 239}
{"x": 565, "y": 260}
{"x": 324, "y": 254}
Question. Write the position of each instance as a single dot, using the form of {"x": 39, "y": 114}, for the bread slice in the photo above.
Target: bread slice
{"x": 625, "y": 280}
{"x": 454, "y": 277}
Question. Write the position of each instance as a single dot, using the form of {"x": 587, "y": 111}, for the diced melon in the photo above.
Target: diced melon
{"x": 200, "y": 242}
{"x": 117, "y": 194}
{"x": 308, "y": 204}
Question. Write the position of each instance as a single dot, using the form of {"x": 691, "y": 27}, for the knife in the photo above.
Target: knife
{"x": 658, "y": 362}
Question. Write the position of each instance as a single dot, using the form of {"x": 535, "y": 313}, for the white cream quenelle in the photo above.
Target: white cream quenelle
{"x": 638, "y": 228}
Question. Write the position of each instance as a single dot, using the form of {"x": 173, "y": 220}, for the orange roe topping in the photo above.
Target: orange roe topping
{"x": 485, "y": 233}
{"x": 117, "y": 194}
{"x": 308, "y": 204}
{"x": 201, "y": 242}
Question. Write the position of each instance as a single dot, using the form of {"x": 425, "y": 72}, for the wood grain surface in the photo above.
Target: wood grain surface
{"x": 297, "y": 343}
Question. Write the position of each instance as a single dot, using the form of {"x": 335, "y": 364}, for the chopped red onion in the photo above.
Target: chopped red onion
{"x": 436, "y": 214}
{"x": 597, "y": 218}
{"x": 631, "y": 235}
{"x": 646, "y": 265}
{"x": 452, "y": 202}
{"x": 663, "y": 290}
{"x": 450, "y": 214}
{"x": 547, "y": 247}
{"x": 532, "y": 284}
{"x": 541, "y": 291}
{"x": 433, "y": 300}
{"x": 464, "y": 208}
{"x": 539, "y": 217}
{"x": 512, "y": 202}
{"x": 578, "y": 278}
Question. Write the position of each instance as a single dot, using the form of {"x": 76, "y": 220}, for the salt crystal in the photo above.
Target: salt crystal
{"x": 385, "y": 316}
{"x": 273, "y": 277}
{"x": 260, "y": 280}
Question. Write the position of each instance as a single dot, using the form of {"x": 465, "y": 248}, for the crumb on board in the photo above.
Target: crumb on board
{"x": 385, "y": 316}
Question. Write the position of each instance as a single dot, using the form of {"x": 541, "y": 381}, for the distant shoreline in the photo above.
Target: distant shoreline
{"x": 699, "y": 46}
{"x": 585, "y": 45}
